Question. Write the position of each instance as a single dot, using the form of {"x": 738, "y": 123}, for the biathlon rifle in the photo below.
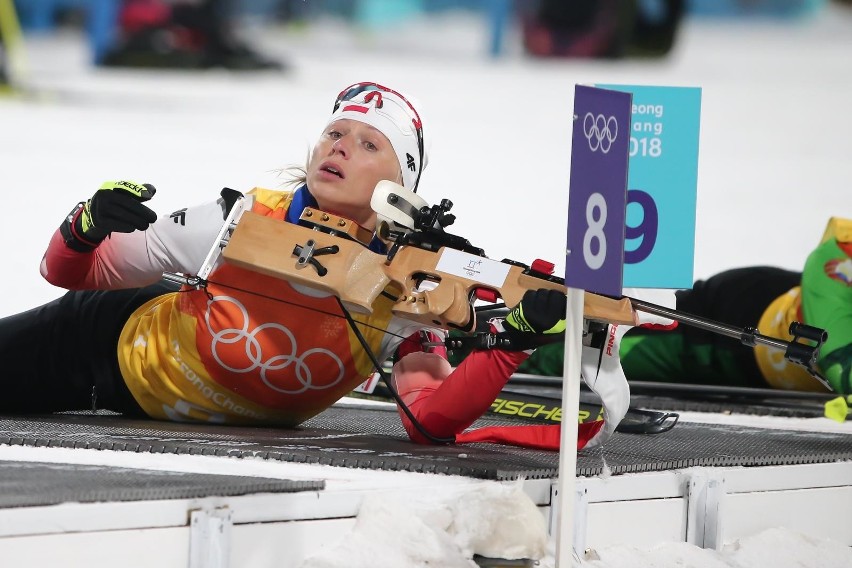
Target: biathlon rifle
{"x": 435, "y": 277}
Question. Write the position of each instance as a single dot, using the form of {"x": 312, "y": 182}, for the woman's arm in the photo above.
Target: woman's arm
{"x": 827, "y": 303}
{"x": 178, "y": 242}
{"x": 443, "y": 399}
{"x": 447, "y": 401}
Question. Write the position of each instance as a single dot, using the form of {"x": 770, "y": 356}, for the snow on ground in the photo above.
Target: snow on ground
{"x": 774, "y": 165}
{"x": 774, "y": 151}
{"x": 775, "y": 548}
{"x": 777, "y": 422}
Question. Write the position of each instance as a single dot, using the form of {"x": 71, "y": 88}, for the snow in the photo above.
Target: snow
{"x": 774, "y": 165}
{"x": 496, "y": 521}
{"x": 777, "y": 547}
{"x": 774, "y": 145}
{"x": 777, "y": 422}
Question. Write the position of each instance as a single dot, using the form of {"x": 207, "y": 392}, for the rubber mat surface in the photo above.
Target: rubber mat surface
{"x": 367, "y": 437}
{"x": 29, "y": 484}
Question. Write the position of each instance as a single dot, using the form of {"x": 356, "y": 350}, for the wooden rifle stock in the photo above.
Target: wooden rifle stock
{"x": 332, "y": 258}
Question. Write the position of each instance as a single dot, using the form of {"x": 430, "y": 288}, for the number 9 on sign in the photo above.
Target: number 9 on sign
{"x": 595, "y": 221}
{"x": 646, "y": 229}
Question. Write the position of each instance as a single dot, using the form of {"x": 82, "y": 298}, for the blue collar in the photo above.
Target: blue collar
{"x": 302, "y": 198}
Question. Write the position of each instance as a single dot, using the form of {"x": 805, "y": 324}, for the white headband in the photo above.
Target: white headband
{"x": 391, "y": 115}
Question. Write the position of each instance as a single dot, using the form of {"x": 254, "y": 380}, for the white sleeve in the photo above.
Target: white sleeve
{"x": 399, "y": 330}
{"x": 178, "y": 242}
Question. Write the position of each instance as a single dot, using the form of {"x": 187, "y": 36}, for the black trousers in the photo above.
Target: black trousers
{"x": 62, "y": 356}
{"x": 737, "y": 297}
{"x": 688, "y": 354}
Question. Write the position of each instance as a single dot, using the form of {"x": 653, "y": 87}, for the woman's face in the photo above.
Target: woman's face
{"x": 347, "y": 162}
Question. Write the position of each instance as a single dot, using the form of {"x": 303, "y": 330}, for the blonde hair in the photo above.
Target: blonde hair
{"x": 295, "y": 175}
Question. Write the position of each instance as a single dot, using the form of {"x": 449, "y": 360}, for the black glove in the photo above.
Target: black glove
{"x": 539, "y": 311}
{"x": 116, "y": 206}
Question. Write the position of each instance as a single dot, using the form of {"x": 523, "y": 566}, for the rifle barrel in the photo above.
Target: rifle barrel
{"x": 747, "y": 336}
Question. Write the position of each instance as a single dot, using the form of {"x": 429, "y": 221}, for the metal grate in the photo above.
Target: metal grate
{"x": 371, "y": 438}
{"x": 30, "y": 484}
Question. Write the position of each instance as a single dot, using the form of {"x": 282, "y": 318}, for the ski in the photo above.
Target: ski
{"x": 533, "y": 405}
{"x": 705, "y": 398}
{"x": 547, "y": 407}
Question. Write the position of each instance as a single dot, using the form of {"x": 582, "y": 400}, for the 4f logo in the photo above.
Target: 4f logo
{"x": 179, "y": 216}
{"x": 409, "y": 161}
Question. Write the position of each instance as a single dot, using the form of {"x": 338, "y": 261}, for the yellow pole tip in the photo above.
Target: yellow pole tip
{"x": 837, "y": 409}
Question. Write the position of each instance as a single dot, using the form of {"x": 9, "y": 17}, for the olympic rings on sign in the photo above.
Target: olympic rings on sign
{"x": 600, "y": 131}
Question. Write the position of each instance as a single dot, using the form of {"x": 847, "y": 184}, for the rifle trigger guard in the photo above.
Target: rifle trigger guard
{"x": 308, "y": 251}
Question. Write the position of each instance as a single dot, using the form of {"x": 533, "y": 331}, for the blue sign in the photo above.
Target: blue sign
{"x": 662, "y": 186}
{"x": 597, "y": 194}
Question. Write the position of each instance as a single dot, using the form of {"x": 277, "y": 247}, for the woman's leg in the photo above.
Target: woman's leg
{"x": 691, "y": 355}
{"x": 63, "y": 355}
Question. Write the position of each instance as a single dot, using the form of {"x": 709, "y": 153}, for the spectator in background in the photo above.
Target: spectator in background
{"x": 189, "y": 34}
{"x": 600, "y": 28}
{"x": 4, "y": 76}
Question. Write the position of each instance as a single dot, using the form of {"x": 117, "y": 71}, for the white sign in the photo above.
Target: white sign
{"x": 466, "y": 265}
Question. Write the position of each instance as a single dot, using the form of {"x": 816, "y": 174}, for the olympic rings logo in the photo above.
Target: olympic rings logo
{"x": 254, "y": 354}
{"x": 600, "y": 131}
